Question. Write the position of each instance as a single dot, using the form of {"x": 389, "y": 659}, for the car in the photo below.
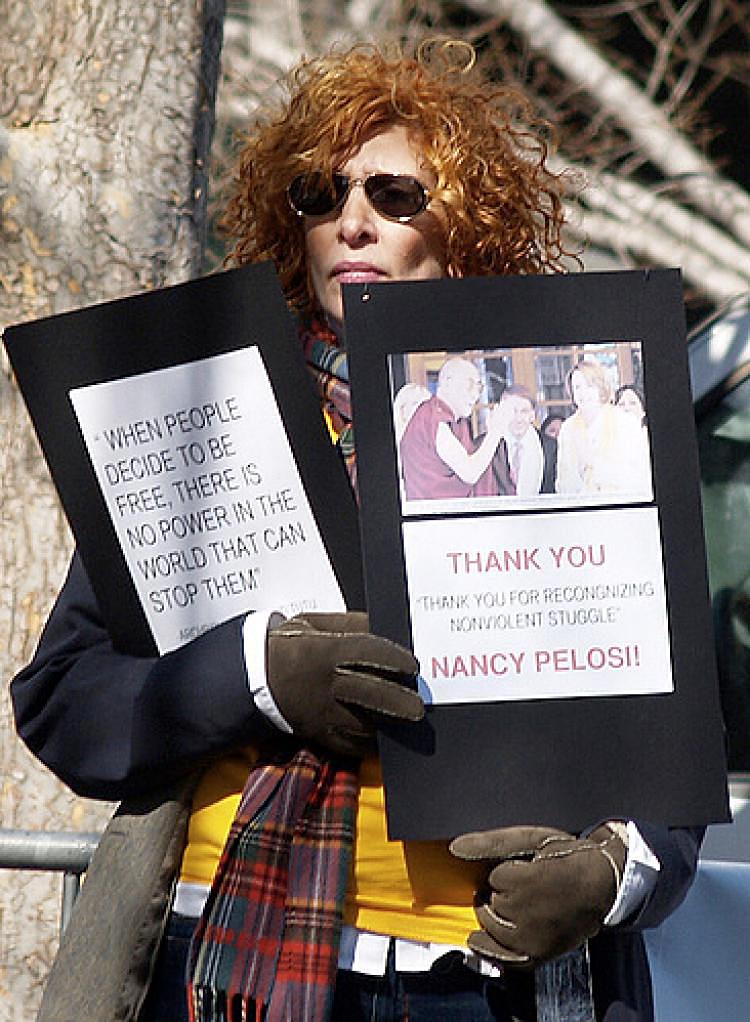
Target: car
{"x": 698, "y": 956}
{"x": 719, "y": 361}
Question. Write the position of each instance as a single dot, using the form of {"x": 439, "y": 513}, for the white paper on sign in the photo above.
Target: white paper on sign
{"x": 538, "y": 606}
{"x": 204, "y": 494}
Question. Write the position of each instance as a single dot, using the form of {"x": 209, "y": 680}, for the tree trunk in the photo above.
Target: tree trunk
{"x": 106, "y": 116}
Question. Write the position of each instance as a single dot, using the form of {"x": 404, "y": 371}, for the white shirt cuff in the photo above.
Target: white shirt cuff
{"x": 254, "y": 631}
{"x": 639, "y": 878}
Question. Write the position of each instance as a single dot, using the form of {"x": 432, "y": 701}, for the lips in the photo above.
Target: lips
{"x": 356, "y": 273}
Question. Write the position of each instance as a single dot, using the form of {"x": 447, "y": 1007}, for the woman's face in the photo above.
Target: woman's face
{"x": 355, "y": 244}
{"x": 586, "y": 395}
{"x": 630, "y": 402}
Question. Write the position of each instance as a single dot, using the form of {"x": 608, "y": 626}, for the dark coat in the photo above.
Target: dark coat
{"x": 549, "y": 475}
{"x": 115, "y": 726}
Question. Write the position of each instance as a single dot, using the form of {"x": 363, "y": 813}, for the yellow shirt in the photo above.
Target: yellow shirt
{"x": 412, "y": 889}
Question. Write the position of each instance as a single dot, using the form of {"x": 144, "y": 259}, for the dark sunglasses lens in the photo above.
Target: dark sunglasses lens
{"x": 396, "y": 195}
{"x": 315, "y": 194}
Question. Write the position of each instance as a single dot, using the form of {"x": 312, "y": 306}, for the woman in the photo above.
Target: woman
{"x": 375, "y": 168}
{"x": 601, "y": 450}
{"x": 630, "y": 399}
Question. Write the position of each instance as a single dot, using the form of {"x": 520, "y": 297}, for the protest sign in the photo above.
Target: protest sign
{"x": 538, "y": 606}
{"x": 553, "y": 587}
{"x": 185, "y": 438}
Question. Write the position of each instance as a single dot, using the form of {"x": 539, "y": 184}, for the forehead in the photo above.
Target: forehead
{"x": 460, "y": 372}
{"x": 467, "y": 373}
{"x": 519, "y": 402}
{"x": 391, "y": 150}
{"x": 581, "y": 376}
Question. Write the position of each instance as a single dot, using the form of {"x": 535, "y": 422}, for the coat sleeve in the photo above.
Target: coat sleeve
{"x": 677, "y": 849}
{"x": 113, "y": 726}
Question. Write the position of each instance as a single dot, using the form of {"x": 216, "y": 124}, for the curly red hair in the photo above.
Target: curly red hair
{"x": 503, "y": 207}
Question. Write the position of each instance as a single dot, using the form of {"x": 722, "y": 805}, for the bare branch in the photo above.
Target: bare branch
{"x": 647, "y": 123}
{"x": 654, "y": 247}
{"x": 695, "y": 57}
{"x": 643, "y": 210}
{"x": 676, "y": 24}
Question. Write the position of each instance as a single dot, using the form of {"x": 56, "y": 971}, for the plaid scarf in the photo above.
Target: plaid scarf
{"x": 267, "y": 942}
{"x": 328, "y": 364}
{"x": 268, "y": 938}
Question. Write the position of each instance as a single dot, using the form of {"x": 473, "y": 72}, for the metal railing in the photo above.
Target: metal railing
{"x": 63, "y": 852}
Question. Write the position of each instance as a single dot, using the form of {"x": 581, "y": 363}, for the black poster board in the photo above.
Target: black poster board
{"x": 571, "y": 757}
{"x": 233, "y": 311}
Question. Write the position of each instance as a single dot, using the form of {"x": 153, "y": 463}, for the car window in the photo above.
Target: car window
{"x": 724, "y": 451}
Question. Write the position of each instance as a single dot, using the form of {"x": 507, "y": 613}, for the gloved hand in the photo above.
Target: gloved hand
{"x": 335, "y": 683}
{"x": 547, "y": 893}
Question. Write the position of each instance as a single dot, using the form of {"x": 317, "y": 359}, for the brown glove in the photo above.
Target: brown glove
{"x": 548, "y": 892}
{"x": 334, "y": 683}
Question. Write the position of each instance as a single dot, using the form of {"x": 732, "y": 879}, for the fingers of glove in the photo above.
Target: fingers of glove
{"x": 520, "y": 880}
{"x": 544, "y": 877}
{"x": 563, "y": 898}
{"x": 507, "y": 842}
{"x": 584, "y": 858}
{"x": 525, "y": 896}
{"x": 488, "y": 947}
{"x": 349, "y": 622}
{"x": 296, "y": 647}
{"x": 532, "y": 939}
{"x": 512, "y": 940}
{"x": 375, "y": 655}
{"x": 358, "y": 650}
{"x": 377, "y": 694}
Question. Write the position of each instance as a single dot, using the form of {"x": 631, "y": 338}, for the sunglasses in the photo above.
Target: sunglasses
{"x": 395, "y": 196}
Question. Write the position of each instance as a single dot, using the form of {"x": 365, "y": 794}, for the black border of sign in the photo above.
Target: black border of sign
{"x": 558, "y": 762}
{"x": 209, "y": 316}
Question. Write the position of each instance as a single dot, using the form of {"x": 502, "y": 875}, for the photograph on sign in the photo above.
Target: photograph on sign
{"x": 521, "y": 427}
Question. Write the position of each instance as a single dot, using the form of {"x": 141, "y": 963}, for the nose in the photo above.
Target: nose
{"x": 357, "y": 222}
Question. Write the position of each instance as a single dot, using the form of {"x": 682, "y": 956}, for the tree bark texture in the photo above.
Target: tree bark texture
{"x": 106, "y": 117}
